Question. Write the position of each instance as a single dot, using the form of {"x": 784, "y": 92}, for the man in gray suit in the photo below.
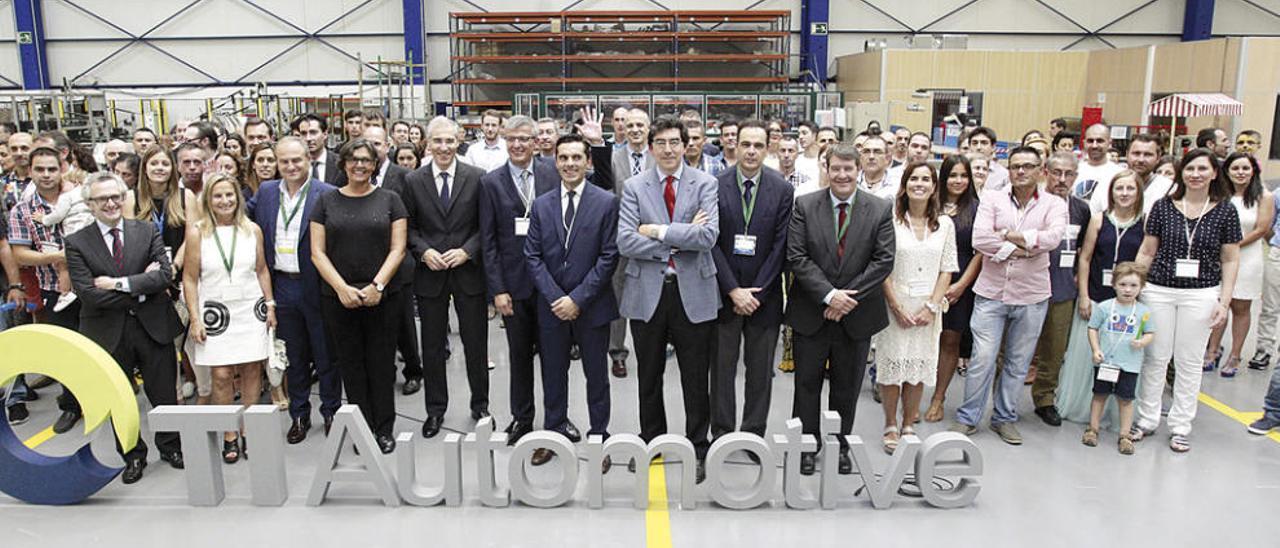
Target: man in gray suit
{"x": 840, "y": 247}
{"x": 668, "y": 223}
{"x": 629, "y": 160}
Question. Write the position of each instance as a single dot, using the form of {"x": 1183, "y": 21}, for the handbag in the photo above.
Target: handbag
{"x": 277, "y": 362}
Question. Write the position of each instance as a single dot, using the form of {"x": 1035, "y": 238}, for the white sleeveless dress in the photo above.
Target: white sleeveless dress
{"x": 232, "y": 306}
{"x": 1252, "y": 256}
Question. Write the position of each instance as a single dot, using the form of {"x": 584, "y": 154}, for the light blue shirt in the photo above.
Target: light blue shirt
{"x": 1117, "y": 327}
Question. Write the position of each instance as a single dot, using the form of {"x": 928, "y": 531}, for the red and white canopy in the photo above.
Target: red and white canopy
{"x": 1196, "y": 104}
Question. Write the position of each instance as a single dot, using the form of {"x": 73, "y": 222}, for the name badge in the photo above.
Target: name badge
{"x": 286, "y": 250}
{"x": 920, "y": 288}
{"x": 1067, "y": 259}
{"x": 1186, "y": 268}
{"x": 522, "y": 226}
{"x": 1073, "y": 232}
{"x": 744, "y": 244}
{"x": 1108, "y": 373}
{"x": 1106, "y": 277}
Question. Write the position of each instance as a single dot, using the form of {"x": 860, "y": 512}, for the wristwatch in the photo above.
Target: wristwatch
{"x": 932, "y": 307}
{"x": 119, "y": 285}
{"x": 381, "y": 287}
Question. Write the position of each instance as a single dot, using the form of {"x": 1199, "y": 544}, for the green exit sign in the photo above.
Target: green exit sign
{"x": 818, "y": 29}
{"x": 25, "y": 38}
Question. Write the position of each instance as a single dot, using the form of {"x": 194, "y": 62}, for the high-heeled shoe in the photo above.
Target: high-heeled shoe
{"x": 1211, "y": 360}
{"x": 1229, "y": 370}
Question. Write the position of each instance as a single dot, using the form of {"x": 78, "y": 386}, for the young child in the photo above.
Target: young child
{"x": 1119, "y": 330}
{"x": 73, "y": 213}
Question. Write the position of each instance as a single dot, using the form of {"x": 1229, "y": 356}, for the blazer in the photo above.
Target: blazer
{"x": 867, "y": 262}
{"x": 689, "y": 245}
{"x": 622, "y": 165}
{"x": 393, "y": 180}
{"x": 102, "y": 312}
{"x": 264, "y": 211}
{"x": 582, "y": 267}
{"x": 505, "y": 268}
{"x": 770, "y": 220}
{"x": 432, "y": 227}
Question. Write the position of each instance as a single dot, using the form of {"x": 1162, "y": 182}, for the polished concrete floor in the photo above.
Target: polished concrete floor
{"x": 1052, "y": 491}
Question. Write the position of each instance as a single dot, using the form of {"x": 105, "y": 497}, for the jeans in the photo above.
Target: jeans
{"x": 1271, "y": 403}
{"x": 18, "y": 389}
{"x": 1270, "y": 312}
{"x": 1181, "y": 320}
{"x": 1017, "y": 328}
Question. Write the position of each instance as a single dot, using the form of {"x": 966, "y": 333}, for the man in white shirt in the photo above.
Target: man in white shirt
{"x": 544, "y": 140}
{"x": 1096, "y": 170}
{"x": 490, "y": 151}
{"x": 1144, "y": 152}
{"x": 874, "y": 176}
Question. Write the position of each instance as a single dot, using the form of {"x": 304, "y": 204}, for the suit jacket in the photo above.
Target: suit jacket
{"x": 332, "y": 175}
{"x": 582, "y": 267}
{"x": 867, "y": 262}
{"x": 264, "y": 210}
{"x": 689, "y": 245}
{"x": 432, "y": 227}
{"x": 622, "y": 165}
{"x": 505, "y": 268}
{"x": 770, "y": 220}
{"x": 102, "y": 312}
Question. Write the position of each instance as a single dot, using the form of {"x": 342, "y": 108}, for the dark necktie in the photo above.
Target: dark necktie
{"x": 568, "y": 214}
{"x": 844, "y": 216}
{"x": 315, "y": 169}
{"x": 636, "y": 164}
{"x": 444, "y": 191}
{"x": 669, "y": 196}
{"x": 746, "y": 191}
{"x": 117, "y": 249}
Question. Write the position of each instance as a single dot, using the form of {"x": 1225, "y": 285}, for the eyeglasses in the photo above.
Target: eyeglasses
{"x": 519, "y": 138}
{"x": 365, "y": 161}
{"x": 1023, "y": 167}
{"x": 117, "y": 198}
{"x": 667, "y": 143}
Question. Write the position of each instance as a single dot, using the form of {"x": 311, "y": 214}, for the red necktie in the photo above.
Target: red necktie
{"x": 844, "y": 216}
{"x": 669, "y": 195}
{"x": 117, "y": 249}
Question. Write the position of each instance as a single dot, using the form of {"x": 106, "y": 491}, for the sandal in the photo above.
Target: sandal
{"x": 934, "y": 414}
{"x": 890, "y": 439}
{"x": 1125, "y": 445}
{"x": 1136, "y": 433}
{"x": 1211, "y": 359}
{"x": 1090, "y": 437}
{"x": 231, "y": 450}
{"x": 1228, "y": 371}
{"x": 1179, "y": 443}
{"x": 909, "y": 431}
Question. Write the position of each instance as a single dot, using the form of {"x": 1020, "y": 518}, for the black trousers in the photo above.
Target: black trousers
{"x": 408, "y": 340}
{"x": 365, "y": 352}
{"x": 473, "y": 328}
{"x": 70, "y": 319}
{"x": 522, "y": 336}
{"x": 307, "y": 344}
{"x": 848, "y": 359}
{"x": 757, "y": 343}
{"x": 694, "y": 347}
{"x": 593, "y": 346}
{"x": 159, "y": 366}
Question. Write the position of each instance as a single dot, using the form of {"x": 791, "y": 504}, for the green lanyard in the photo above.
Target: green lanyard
{"x": 228, "y": 262}
{"x": 748, "y": 208}
{"x": 840, "y": 230}
{"x": 302, "y": 196}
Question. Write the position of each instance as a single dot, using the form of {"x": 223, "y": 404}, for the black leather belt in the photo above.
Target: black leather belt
{"x": 290, "y": 275}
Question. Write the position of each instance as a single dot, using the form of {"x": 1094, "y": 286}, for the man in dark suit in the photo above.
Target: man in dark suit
{"x": 121, "y": 273}
{"x": 841, "y": 247}
{"x": 755, "y": 211}
{"x": 572, "y": 251}
{"x": 443, "y": 201}
{"x": 281, "y": 208}
{"x": 323, "y": 165}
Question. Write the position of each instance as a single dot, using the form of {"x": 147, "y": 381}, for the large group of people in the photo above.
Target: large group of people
{"x": 881, "y": 256}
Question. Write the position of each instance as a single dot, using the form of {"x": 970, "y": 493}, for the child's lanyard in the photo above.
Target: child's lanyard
{"x": 1131, "y": 320}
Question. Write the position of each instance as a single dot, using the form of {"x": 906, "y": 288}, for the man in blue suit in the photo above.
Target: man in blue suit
{"x": 572, "y": 252}
{"x": 667, "y": 225}
{"x": 755, "y": 212}
{"x": 281, "y": 208}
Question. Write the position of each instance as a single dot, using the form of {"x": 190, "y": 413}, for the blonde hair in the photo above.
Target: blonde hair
{"x": 207, "y": 220}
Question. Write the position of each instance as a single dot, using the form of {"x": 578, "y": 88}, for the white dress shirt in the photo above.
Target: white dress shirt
{"x": 322, "y": 166}
{"x": 486, "y": 156}
{"x": 108, "y": 239}
{"x": 835, "y": 211}
{"x": 288, "y": 237}
{"x": 451, "y": 170}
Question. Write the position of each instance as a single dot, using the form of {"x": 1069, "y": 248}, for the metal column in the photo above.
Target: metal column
{"x": 814, "y": 23}
{"x": 1197, "y": 21}
{"x": 29, "y": 22}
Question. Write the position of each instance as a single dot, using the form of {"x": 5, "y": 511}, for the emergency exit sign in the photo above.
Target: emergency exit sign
{"x": 25, "y": 38}
{"x": 818, "y": 29}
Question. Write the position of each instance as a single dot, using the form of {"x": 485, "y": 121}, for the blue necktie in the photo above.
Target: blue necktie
{"x": 444, "y": 190}
{"x": 568, "y": 213}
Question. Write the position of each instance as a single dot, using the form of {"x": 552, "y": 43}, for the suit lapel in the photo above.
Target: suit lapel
{"x": 733, "y": 205}
{"x": 435, "y": 194}
{"x": 583, "y": 208}
{"x": 683, "y": 195}
{"x": 857, "y": 214}
{"x": 99, "y": 245}
{"x": 558, "y": 215}
{"x": 313, "y": 194}
{"x": 824, "y": 220}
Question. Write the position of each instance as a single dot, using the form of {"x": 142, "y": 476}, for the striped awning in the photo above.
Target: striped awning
{"x": 1196, "y": 104}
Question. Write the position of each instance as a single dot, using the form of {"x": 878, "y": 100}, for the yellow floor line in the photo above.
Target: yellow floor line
{"x": 44, "y": 435}
{"x": 1240, "y": 417}
{"x": 657, "y": 523}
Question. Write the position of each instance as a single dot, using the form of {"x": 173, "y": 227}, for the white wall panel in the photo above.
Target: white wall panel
{"x": 1237, "y": 17}
{"x": 10, "y": 66}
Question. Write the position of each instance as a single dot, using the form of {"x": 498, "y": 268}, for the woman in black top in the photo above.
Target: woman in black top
{"x": 960, "y": 202}
{"x": 358, "y": 238}
{"x": 1192, "y": 249}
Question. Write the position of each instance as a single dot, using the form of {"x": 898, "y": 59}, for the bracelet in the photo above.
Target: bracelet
{"x": 12, "y": 287}
{"x": 271, "y": 302}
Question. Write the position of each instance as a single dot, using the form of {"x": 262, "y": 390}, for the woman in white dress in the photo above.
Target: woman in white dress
{"x": 228, "y": 293}
{"x": 915, "y": 293}
{"x": 1256, "y": 208}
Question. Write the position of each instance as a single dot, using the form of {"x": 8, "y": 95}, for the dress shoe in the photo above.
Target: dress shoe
{"x": 18, "y": 413}
{"x": 701, "y": 473}
{"x": 411, "y": 386}
{"x": 328, "y": 424}
{"x": 541, "y": 456}
{"x": 66, "y": 422}
{"x": 133, "y": 471}
{"x": 846, "y": 463}
{"x": 571, "y": 432}
{"x": 385, "y": 443}
{"x": 808, "y": 463}
{"x": 1049, "y": 414}
{"x": 431, "y": 426}
{"x": 174, "y": 459}
{"x": 298, "y": 431}
{"x": 620, "y": 368}
{"x": 479, "y": 414}
{"x": 517, "y": 430}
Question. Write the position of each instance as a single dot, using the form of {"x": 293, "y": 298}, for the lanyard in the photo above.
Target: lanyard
{"x": 748, "y": 208}
{"x": 524, "y": 199}
{"x": 1115, "y": 255}
{"x": 157, "y": 217}
{"x": 1131, "y": 319}
{"x": 227, "y": 262}
{"x": 302, "y": 196}
{"x": 1186, "y": 223}
{"x": 840, "y": 230}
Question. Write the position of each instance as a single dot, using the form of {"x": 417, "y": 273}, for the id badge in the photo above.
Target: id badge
{"x": 285, "y": 250}
{"x": 1108, "y": 373}
{"x": 1106, "y": 277}
{"x": 744, "y": 244}
{"x": 522, "y": 226}
{"x": 920, "y": 288}
{"x": 1067, "y": 259}
{"x": 1186, "y": 268}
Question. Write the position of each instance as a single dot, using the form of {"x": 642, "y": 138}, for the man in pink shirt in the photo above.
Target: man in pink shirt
{"x": 1014, "y": 231}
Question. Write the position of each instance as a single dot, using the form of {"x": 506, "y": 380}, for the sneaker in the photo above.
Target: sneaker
{"x": 963, "y": 428}
{"x": 1007, "y": 432}
{"x": 18, "y": 413}
{"x": 1259, "y": 427}
{"x": 64, "y": 300}
{"x": 1260, "y": 360}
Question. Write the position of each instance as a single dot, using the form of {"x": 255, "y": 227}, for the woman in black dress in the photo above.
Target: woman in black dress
{"x": 960, "y": 202}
